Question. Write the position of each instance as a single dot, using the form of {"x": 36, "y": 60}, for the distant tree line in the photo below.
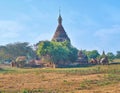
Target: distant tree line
{"x": 12, "y": 51}
{"x": 56, "y": 52}
{"x": 95, "y": 54}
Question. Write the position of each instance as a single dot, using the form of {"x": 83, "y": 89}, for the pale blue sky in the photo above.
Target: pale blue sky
{"x": 90, "y": 24}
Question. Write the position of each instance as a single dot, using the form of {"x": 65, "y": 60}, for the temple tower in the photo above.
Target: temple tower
{"x": 60, "y": 34}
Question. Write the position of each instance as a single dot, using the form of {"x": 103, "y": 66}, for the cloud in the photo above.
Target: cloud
{"x": 102, "y": 39}
{"x": 107, "y": 33}
{"x": 10, "y": 29}
{"x": 108, "y": 38}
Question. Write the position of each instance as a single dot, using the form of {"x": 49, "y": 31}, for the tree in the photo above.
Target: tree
{"x": 92, "y": 54}
{"x": 12, "y": 51}
{"x": 118, "y": 54}
{"x": 73, "y": 54}
{"x": 110, "y": 56}
{"x": 20, "y": 49}
{"x": 3, "y": 54}
{"x": 57, "y": 52}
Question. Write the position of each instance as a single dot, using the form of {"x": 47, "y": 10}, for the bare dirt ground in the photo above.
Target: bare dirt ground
{"x": 52, "y": 82}
{"x": 43, "y": 81}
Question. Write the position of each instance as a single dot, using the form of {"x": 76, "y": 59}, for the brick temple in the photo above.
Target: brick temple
{"x": 60, "y": 34}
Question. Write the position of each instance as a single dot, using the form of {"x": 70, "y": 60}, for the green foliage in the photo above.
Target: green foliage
{"x": 73, "y": 54}
{"x": 57, "y": 51}
{"x": 12, "y": 51}
{"x": 92, "y": 54}
{"x": 118, "y": 54}
{"x": 25, "y": 91}
{"x": 3, "y": 54}
{"x": 44, "y": 48}
{"x": 110, "y": 56}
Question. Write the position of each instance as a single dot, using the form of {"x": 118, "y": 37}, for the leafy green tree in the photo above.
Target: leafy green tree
{"x": 92, "y": 54}
{"x": 12, "y": 51}
{"x": 20, "y": 49}
{"x": 110, "y": 56}
{"x": 57, "y": 52}
{"x": 118, "y": 54}
{"x": 3, "y": 54}
{"x": 73, "y": 54}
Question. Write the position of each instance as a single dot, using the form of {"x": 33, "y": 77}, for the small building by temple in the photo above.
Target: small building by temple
{"x": 82, "y": 58}
{"x": 104, "y": 59}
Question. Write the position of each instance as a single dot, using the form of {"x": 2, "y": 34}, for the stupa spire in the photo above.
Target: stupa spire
{"x": 103, "y": 52}
{"x": 60, "y": 18}
{"x": 60, "y": 34}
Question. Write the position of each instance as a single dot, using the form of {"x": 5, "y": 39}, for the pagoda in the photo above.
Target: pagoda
{"x": 60, "y": 34}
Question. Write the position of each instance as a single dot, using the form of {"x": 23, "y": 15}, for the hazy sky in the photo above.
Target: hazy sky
{"x": 90, "y": 24}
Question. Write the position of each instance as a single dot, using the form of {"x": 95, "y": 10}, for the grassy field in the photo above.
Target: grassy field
{"x": 116, "y": 60}
{"x": 95, "y": 79}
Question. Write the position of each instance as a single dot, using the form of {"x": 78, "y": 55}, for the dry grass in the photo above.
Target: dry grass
{"x": 97, "y": 79}
{"x": 116, "y": 60}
